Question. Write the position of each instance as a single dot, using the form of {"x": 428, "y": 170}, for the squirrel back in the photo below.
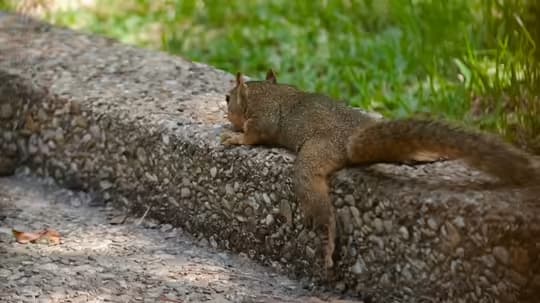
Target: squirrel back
{"x": 288, "y": 117}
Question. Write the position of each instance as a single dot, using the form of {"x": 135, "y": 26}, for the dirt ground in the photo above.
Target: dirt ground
{"x": 105, "y": 257}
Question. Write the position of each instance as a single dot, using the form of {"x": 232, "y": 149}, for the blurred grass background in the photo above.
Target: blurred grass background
{"x": 475, "y": 61}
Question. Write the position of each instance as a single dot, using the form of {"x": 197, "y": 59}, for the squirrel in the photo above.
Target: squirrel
{"x": 328, "y": 135}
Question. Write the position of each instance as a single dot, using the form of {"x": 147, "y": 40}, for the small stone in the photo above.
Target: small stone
{"x": 488, "y": 260}
{"x": 80, "y": 121}
{"x": 340, "y": 286}
{"x": 186, "y": 182}
{"x": 241, "y": 218}
{"x": 107, "y": 196}
{"x": 269, "y": 220}
{"x": 451, "y": 235}
{"x": 203, "y": 242}
{"x": 460, "y": 252}
{"x": 404, "y": 232}
{"x": 44, "y": 149}
{"x": 86, "y": 138}
{"x": 459, "y": 222}
{"x": 51, "y": 267}
{"x": 165, "y": 227}
{"x": 151, "y": 224}
{"x": 120, "y": 219}
{"x": 4, "y": 273}
{"x": 185, "y": 192}
{"x": 213, "y": 172}
{"x": 6, "y": 111}
{"x": 378, "y": 225}
{"x": 385, "y": 280}
{"x": 377, "y": 240}
{"x": 151, "y": 177}
{"x": 338, "y": 202}
{"x": 75, "y": 202}
{"x": 349, "y": 199}
{"x": 29, "y": 291}
{"x": 310, "y": 252}
{"x": 226, "y": 204}
{"x": 501, "y": 254}
{"x": 352, "y": 251}
{"x": 356, "y": 216}
{"x": 8, "y": 135}
{"x": 406, "y": 274}
{"x": 432, "y": 224}
{"x": 95, "y": 131}
{"x": 248, "y": 211}
{"x": 345, "y": 219}
{"x": 213, "y": 242}
{"x": 229, "y": 190}
{"x": 266, "y": 198}
{"x": 359, "y": 266}
{"x": 165, "y": 139}
{"x": 59, "y": 135}
{"x": 141, "y": 155}
{"x": 104, "y": 184}
{"x": 388, "y": 225}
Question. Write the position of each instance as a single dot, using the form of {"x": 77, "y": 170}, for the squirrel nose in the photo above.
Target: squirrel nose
{"x": 227, "y": 97}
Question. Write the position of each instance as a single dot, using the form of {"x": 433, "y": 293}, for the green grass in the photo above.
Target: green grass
{"x": 470, "y": 60}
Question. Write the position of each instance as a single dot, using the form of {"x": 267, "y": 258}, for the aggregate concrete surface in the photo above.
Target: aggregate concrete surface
{"x": 106, "y": 257}
{"x": 140, "y": 129}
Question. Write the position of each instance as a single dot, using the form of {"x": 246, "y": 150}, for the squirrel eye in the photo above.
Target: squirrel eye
{"x": 227, "y": 98}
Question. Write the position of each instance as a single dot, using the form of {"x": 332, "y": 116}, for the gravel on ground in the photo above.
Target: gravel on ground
{"x": 107, "y": 257}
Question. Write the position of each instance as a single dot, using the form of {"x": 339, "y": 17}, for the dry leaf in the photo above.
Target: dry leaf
{"x": 24, "y": 237}
{"x": 52, "y": 236}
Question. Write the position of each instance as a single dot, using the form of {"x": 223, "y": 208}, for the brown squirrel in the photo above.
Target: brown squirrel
{"x": 328, "y": 135}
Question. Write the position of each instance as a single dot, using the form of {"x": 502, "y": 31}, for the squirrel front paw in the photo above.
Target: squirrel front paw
{"x": 229, "y": 138}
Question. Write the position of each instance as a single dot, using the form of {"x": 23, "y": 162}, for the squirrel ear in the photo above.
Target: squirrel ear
{"x": 241, "y": 85}
{"x": 271, "y": 76}
{"x": 239, "y": 79}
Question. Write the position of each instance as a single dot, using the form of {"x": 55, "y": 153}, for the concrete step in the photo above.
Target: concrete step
{"x": 141, "y": 129}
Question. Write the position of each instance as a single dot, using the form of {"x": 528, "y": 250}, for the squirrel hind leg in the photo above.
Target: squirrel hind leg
{"x": 319, "y": 214}
{"x": 315, "y": 162}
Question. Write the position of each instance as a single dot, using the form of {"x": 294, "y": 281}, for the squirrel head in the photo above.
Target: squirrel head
{"x": 237, "y": 99}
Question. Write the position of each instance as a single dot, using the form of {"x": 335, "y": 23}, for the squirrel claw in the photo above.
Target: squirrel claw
{"x": 327, "y": 231}
{"x": 328, "y": 262}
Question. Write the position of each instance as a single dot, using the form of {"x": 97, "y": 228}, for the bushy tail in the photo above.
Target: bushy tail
{"x": 421, "y": 140}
